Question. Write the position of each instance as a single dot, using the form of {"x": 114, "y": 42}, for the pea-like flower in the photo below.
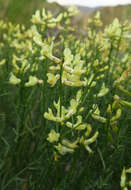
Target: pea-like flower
{"x": 96, "y": 114}
{"x": 63, "y": 149}
{"x": 13, "y": 79}
{"x": 103, "y": 91}
{"x": 65, "y": 113}
{"x": 87, "y": 142}
{"x": 73, "y": 11}
{"x": 53, "y": 136}
{"x": 36, "y": 18}
{"x": 32, "y": 81}
{"x": 52, "y": 79}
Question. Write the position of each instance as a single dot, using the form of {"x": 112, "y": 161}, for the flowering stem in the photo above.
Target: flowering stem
{"x": 61, "y": 87}
{"x": 119, "y": 41}
{"x": 109, "y": 60}
{"x": 44, "y": 90}
{"x": 85, "y": 94}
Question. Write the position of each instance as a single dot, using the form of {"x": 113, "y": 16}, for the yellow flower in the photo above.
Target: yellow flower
{"x": 32, "y": 81}
{"x": 123, "y": 178}
{"x": 74, "y": 84}
{"x": 65, "y": 113}
{"x": 53, "y": 136}
{"x": 99, "y": 118}
{"x": 63, "y": 149}
{"x": 49, "y": 115}
{"x": 103, "y": 91}
{"x": 113, "y": 30}
{"x": 69, "y": 144}
{"x": 79, "y": 124}
{"x": 59, "y": 17}
{"x": 44, "y": 16}
{"x": 109, "y": 109}
{"x": 56, "y": 156}
{"x": 52, "y": 79}
{"x": 36, "y": 18}
{"x": 13, "y": 79}
{"x": 96, "y": 114}
{"x": 89, "y": 141}
{"x": 68, "y": 56}
{"x": 38, "y": 39}
{"x": 121, "y": 88}
{"x": 123, "y": 102}
{"x": 92, "y": 139}
{"x": 128, "y": 170}
{"x": 89, "y": 129}
{"x": 47, "y": 50}
{"x": 122, "y": 78}
{"x": 73, "y": 11}
{"x": 117, "y": 116}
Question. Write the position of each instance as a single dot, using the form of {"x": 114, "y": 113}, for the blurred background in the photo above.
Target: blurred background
{"x": 20, "y": 11}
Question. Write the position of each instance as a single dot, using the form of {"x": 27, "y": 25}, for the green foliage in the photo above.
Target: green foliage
{"x": 65, "y": 104}
{"x": 21, "y": 11}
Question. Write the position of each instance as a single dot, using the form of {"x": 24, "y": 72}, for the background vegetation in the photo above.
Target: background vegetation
{"x": 21, "y": 12}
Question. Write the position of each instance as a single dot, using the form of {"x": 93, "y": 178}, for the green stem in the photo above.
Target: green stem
{"x": 44, "y": 88}
{"x": 108, "y": 63}
{"x": 85, "y": 94}
{"x": 61, "y": 87}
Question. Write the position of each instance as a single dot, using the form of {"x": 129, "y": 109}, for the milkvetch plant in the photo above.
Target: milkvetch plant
{"x": 65, "y": 101}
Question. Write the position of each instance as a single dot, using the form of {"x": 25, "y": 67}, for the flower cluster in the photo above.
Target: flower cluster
{"x": 95, "y": 68}
{"x": 65, "y": 146}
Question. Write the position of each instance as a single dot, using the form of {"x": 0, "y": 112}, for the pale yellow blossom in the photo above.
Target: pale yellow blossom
{"x": 13, "y": 79}
{"x": 53, "y": 136}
